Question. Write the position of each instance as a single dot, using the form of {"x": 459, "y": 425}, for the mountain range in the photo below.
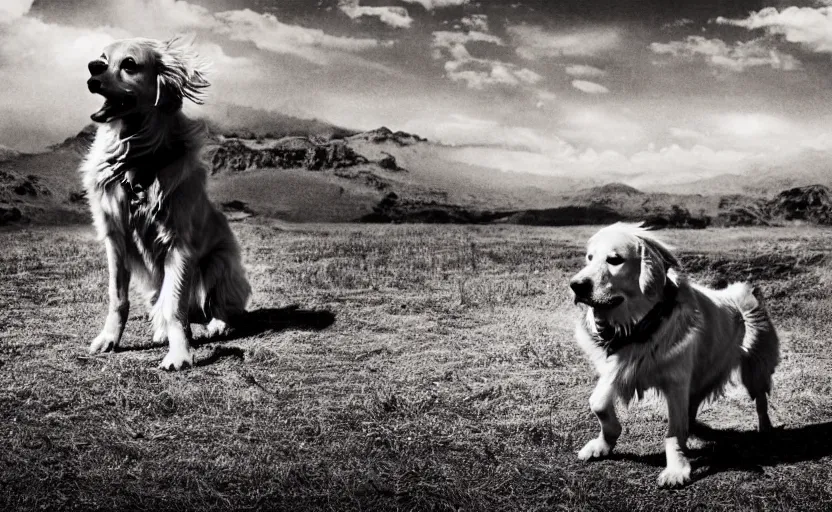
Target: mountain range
{"x": 266, "y": 164}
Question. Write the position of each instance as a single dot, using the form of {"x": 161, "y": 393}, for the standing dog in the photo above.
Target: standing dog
{"x": 146, "y": 189}
{"x": 647, "y": 327}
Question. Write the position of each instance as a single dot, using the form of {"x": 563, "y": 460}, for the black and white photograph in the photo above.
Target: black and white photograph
{"x": 415, "y": 255}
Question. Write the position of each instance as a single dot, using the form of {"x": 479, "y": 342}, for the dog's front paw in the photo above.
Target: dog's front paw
{"x": 675, "y": 476}
{"x": 104, "y": 342}
{"x": 177, "y": 360}
{"x": 595, "y": 449}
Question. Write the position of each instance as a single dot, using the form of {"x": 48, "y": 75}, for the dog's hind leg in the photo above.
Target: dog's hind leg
{"x": 119, "y": 305}
{"x": 602, "y": 403}
{"x": 762, "y": 412}
{"x": 223, "y": 291}
{"x": 760, "y": 354}
{"x": 755, "y": 372}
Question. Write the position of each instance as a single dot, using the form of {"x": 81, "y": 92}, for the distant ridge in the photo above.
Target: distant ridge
{"x": 613, "y": 188}
{"x": 8, "y": 153}
{"x": 80, "y": 142}
{"x": 250, "y": 123}
{"x": 304, "y": 170}
{"x": 385, "y": 134}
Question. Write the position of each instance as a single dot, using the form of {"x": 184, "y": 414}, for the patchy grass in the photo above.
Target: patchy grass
{"x": 390, "y": 367}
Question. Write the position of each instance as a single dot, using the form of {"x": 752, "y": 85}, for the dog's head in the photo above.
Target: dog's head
{"x": 137, "y": 76}
{"x": 626, "y": 269}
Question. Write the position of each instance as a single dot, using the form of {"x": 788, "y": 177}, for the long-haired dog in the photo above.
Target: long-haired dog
{"x": 647, "y": 327}
{"x": 146, "y": 188}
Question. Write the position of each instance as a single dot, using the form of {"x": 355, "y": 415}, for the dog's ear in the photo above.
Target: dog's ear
{"x": 180, "y": 74}
{"x": 656, "y": 260}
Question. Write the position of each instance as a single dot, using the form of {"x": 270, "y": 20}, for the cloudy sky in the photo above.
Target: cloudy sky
{"x": 567, "y": 87}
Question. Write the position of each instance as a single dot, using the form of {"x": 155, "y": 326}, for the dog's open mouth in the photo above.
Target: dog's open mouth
{"x": 114, "y": 108}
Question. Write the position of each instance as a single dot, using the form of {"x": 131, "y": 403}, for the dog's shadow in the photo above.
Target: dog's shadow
{"x": 733, "y": 450}
{"x": 253, "y": 323}
{"x": 264, "y": 320}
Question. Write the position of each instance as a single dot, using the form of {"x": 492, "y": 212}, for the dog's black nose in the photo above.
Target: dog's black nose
{"x": 94, "y": 85}
{"x": 581, "y": 287}
{"x": 97, "y": 67}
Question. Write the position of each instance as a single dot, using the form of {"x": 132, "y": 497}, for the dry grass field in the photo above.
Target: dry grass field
{"x": 391, "y": 368}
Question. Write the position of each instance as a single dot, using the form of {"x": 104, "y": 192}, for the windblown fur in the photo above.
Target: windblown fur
{"x": 146, "y": 189}
{"x": 689, "y": 357}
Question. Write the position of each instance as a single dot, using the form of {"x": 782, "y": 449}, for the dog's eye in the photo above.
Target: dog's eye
{"x": 129, "y": 65}
{"x": 615, "y": 260}
{"x": 588, "y": 257}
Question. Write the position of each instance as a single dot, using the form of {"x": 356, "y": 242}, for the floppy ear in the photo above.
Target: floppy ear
{"x": 180, "y": 74}
{"x": 656, "y": 260}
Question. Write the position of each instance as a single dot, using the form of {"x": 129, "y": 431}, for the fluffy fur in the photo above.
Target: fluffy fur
{"x": 689, "y": 356}
{"x": 146, "y": 188}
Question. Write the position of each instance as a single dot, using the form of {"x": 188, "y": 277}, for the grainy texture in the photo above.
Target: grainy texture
{"x": 391, "y": 367}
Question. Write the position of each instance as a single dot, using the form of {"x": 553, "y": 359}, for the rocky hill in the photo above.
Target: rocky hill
{"x": 236, "y": 155}
{"x": 385, "y": 134}
{"x": 313, "y": 172}
{"x": 617, "y": 202}
{"x": 811, "y": 204}
{"x": 7, "y": 153}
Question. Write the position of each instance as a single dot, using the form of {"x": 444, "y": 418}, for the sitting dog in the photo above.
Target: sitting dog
{"x": 146, "y": 188}
{"x": 647, "y": 327}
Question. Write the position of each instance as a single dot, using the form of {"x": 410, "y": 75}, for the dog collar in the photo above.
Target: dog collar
{"x": 612, "y": 339}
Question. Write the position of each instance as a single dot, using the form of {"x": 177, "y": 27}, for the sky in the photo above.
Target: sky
{"x": 642, "y": 89}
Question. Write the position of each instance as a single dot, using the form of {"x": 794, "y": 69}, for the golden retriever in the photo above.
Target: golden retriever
{"x": 146, "y": 187}
{"x": 647, "y": 327}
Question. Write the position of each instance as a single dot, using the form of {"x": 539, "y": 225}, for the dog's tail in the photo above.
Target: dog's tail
{"x": 760, "y": 351}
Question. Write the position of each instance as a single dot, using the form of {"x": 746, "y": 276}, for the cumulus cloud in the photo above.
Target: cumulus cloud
{"x": 268, "y": 33}
{"x": 476, "y": 22}
{"x": 35, "y": 107}
{"x": 150, "y": 18}
{"x": 478, "y": 73}
{"x": 738, "y": 57}
{"x": 589, "y": 87}
{"x": 161, "y": 18}
{"x": 462, "y": 130}
{"x": 647, "y": 168}
{"x": 527, "y": 76}
{"x": 534, "y": 42}
{"x": 436, "y": 4}
{"x": 601, "y": 126}
{"x": 396, "y": 17}
{"x": 751, "y": 125}
{"x": 808, "y": 26}
{"x": 447, "y": 39}
{"x": 544, "y": 97}
{"x": 13, "y": 9}
{"x": 682, "y": 22}
{"x": 584, "y": 71}
{"x": 41, "y": 107}
{"x": 521, "y": 149}
{"x": 821, "y": 142}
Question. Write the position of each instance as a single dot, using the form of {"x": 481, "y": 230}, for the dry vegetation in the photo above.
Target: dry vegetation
{"x": 390, "y": 367}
